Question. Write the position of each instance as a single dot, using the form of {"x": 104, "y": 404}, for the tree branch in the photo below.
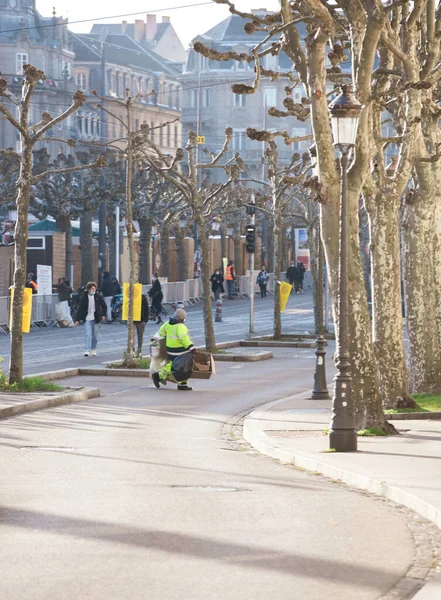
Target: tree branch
{"x": 100, "y": 162}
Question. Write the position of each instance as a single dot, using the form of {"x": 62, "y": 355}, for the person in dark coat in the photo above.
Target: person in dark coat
{"x": 116, "y": 286}
{"x": 64, "y": 290}
{"x": 107, "y": 292}
{"x": 140, "y": 325}
{"x": 292, "y": 274}
{"x": 92, "y": 310}
{"x": 217, "y": 284}
{"x": 156, "y": 295}
{"x": 301, "y": 269}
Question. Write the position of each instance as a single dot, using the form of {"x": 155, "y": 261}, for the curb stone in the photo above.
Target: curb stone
{"x": 417, "y": 416}
{"x": 49, "y": 402}
{"x": 243, "y": 357}
{"x": 261, "y": 442}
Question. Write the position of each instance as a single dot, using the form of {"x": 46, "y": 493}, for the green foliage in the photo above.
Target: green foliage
{"x": 136, "y": 363}
{"x": 28, "y": 384}
{"x": 371, "y": 432}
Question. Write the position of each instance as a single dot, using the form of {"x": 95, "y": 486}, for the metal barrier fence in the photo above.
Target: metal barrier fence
{"x": 189, "y": 291}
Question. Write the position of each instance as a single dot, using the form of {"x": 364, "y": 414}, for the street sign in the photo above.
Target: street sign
{"x": 201, "y": 139}
{"x": 44, "y": 279}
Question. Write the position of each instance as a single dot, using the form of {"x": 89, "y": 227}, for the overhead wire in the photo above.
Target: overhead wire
{"x": 64, "y": 22}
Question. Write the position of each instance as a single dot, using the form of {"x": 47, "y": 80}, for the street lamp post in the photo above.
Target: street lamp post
{"x": 320, "y": 389}
{"x": 345, "y": 114}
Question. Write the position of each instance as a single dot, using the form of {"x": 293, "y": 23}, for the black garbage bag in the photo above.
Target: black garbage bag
{"x": 182, "y": 366}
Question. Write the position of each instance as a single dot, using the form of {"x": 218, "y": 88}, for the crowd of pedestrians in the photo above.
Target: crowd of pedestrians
{"x": 96, "y": 306}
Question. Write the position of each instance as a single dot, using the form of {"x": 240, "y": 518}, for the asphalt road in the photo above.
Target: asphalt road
{"x": 53, "y": 348}
{"x": 139, "y": 495}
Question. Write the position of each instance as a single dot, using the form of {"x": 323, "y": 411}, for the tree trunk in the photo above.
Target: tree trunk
{"x": 130, "y": 355}
{"x": 181, "y": 254}
{"x": 111, "y": 233}
{"x": 437, "y": 247}
{"x": 285, "y": 250}
{"x": 210, "y": 343}
{"x": 264, "y": 244}
{"x": 223, "y": 243}
{"x": 368, "y": 410}
{"x": 386, "y": 301}
{"x": 165, "y": 254}
{"x": 276, "y": 262}
{"x": 145, "y": 242}
{"x": 20, "y": 237}
{"x": 86, "y": 246}
{"x": 270, "y": 244}
{"x": 421, "y": 314}
{"x": 64, "y": 224}
{"x": 237, "y": 254}
{"x": 317, "y": 289}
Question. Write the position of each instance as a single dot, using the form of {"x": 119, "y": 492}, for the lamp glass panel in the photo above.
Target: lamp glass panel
{"x": 344, "y": 129}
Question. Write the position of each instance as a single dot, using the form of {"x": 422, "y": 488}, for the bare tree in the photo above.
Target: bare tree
{"x": 200, "y": 201}
{"x": 30, "y": 135}
{"x": 358, "y": 27}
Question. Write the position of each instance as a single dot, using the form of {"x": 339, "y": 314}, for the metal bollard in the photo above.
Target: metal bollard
{"x": 219, "y": 305}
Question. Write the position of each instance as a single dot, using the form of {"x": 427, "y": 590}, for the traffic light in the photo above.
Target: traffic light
{"x": 251, "y": 209}
{"x": 251, "y": 238}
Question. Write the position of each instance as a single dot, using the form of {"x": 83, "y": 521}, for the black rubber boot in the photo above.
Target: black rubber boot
{"x": 156, "y": 379}
{"x": 185, "y": 388}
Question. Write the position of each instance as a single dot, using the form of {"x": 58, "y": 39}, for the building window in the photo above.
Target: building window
{"x": 169, "y": 136}
{"x": 170, "y": 96}
{"x": 67, "y": 67}
{"x": 152, "y": 131}
{"x": 206, "y": 97}
{"x": 194, "y": 97}
{"x": 136, "y": 124}
{"x": 271, "y": 62}
{"x": 176, "y": 137}
{"x": 21, "y": 60}
{"x": 239, "y": 139}
{"x": 270, "y": 94}
{"x": 81, "y": 81}
{"x": 178, "y": 98}
{"x": 161, "y": 136}
{"x": 203, "y": 63}
{"x": 241, "y": 65}
{"x": 239, "y": 100}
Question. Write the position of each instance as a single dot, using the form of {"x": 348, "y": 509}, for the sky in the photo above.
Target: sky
{"x": 188, "y": 22}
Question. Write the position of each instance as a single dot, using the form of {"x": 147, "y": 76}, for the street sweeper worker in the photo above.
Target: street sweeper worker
{"x": 178, "y": 342}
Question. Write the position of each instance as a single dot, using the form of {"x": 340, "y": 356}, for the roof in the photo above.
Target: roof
{"x": 120, "y": 49}
{"x": 49, "y": 225}
{"x": 27, "y": 22}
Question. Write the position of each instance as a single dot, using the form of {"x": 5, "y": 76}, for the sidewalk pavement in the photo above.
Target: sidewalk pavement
{"x": 405, "y": 469}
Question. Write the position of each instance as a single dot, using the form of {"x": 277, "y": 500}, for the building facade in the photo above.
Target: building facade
{"x": 110, "y": 63}
{"x": 28, "y": 38}
{"x": 209, "y": 105}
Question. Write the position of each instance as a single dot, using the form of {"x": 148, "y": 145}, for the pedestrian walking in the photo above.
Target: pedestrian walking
{"x": 116, "y": 286}
{"x": 178, "y": 342}
{"x": 107, "y": 290}
{"x": 31, "y": 282}
{"x": 92, "y": 310}
{"x": 262, "y": 281}
{"x": 217, "y": 284}
{"x": 230, "y": 276}
{"x": 62, "y": 309}
{"x": 140, "y": 325}
{"x": 292, "y": 274}
{"x": 157, "y": 296}
{"x": 301, "y": 269}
